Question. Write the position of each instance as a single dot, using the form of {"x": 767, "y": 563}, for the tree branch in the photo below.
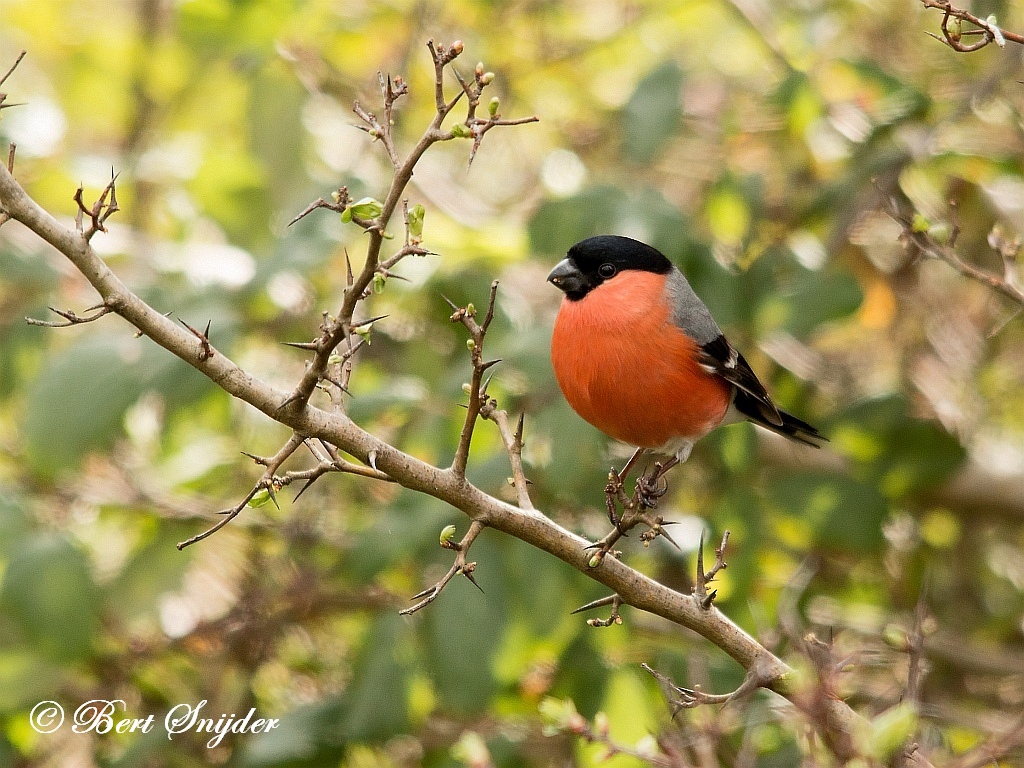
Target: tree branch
{"x": 987, "y": 28}
{"x": 335, "y": 428}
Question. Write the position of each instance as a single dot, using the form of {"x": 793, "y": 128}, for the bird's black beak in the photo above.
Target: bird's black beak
{"x": 567, "y": 277}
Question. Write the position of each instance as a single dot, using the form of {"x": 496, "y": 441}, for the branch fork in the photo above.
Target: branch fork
{"x": 460, "y": 566}
{"x": 104, "y": 207}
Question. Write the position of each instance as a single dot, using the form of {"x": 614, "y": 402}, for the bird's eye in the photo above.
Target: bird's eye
{"x": 607, "y": 270}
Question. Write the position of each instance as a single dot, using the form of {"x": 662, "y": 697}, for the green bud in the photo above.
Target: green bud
{"x": 367, "y": 208}
{"x": 378, "y": 283}
{"x": 595, "y": 561}
{"x": 261, "y": 497}
{"x": 334, "y": 359}
{"x": 920, "y": 223}
{"x": 895, "y": 637}
{"x": 470, "y": 345}
{"x": 461, "y": 131}
{"x": 493, "y": 105}
{"x": 487, "y": 78}
{"x": 467, "y": 388}
{"x": 447, "y": 534}
{"x": 416, "y": 214}
{"x": 470, "y": 309}
{"x": 363, "y": 332}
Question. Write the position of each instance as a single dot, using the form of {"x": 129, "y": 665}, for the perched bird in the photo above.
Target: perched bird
{"x": 638, "y": 355}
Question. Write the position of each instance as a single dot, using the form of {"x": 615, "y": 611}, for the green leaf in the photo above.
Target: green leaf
{"x": 375, "y": 701}
{"x": 842, "y": 512}
{"x": 653, "y": 113}
{"x": 416, "y": 216}
{"x": 366, "y": 208}
{"x": 48, "y": 590}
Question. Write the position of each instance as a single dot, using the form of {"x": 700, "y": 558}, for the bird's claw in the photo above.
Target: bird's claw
{"x": 651, "y": 488}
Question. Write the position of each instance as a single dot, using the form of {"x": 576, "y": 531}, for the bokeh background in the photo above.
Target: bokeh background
{"x": 745, "y": 139}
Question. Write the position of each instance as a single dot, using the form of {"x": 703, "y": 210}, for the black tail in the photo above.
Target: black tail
{"x": 795, "y": 429}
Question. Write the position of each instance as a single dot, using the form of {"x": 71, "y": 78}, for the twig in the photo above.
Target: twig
{"x": 615, "y": 601}
{"x": 513, "y": 447}
{"x": 10, "y": 71}
{"x": 338, "y": 205}
{"x": 757, "y": 676}
{"x": 70, "y": 318}
{"x": 700, "y": 588}
{"x": 268, "y": 483}
{"x": 101, "y": 210}
{"x": 477, "y": 390}
{"x": 990, "y": 32}
{"x": 924, "y": 243}
{"x": 205, "y": 348}
{"x": 428, "y": 595}
{"x": 376, "y": 228}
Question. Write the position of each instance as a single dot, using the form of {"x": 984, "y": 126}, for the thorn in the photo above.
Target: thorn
{"x": 469, "y": 575}
{"x": 599, "y": 603}
{"x": 485, "y": 366}
{"x": 302, "y": 490}
{"x": 664, "y": 533}
{"x": 310, "y": 345}
{"x": 368, "y": 322}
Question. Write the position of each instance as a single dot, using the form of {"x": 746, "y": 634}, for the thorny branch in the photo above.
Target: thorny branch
{"x": 376, "y": 226}
{"x": 680, "y": 698}
{"x": 636, "y": 510}
{"x": 70, "y": 318}
{"x": 916, "y": 235}
{"x": 987, "y": 28}
{"x": 700, "y": 587}
{"x": 336, "y": 432}
{"x": 477, "y": 388}
{"x": 460, "y": 566}
{"x": 104, "y": 207}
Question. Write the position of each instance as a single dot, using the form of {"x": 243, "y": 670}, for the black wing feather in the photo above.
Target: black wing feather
{"x": 752, "y": 399}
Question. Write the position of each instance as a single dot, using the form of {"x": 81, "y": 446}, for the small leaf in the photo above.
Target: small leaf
{"x": 891, "y": 730}
{"x": 920, "y": 223}
{"x": 416, "y": 215}
{"x": 447, "y": 534}
{"x": 261, "y": 497}
{"x": 346, "y": 216}
{"x": 366, "y": 208}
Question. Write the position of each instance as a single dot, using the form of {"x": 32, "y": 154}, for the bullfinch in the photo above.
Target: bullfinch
{"x": 638, "y": 355}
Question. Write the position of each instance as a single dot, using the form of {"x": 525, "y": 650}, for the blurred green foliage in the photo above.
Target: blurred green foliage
{"x": 747, "y": 147}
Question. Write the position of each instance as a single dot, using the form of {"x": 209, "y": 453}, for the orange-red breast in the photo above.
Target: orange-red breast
{"x": 638, "y": 355}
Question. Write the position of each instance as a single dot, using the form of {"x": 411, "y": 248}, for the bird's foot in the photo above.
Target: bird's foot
{"x": 650, "y": 488}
